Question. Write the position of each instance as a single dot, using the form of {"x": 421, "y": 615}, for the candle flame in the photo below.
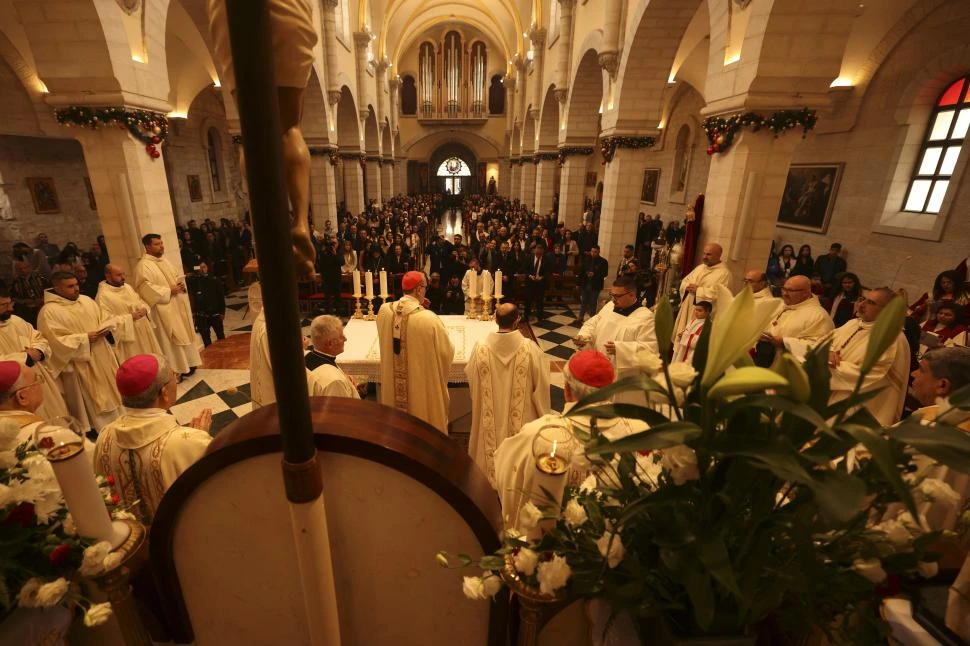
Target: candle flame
{"x": 555, "y": 443}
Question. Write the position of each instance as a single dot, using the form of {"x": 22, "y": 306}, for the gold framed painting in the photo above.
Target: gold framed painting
{"x": 44, "y": 195}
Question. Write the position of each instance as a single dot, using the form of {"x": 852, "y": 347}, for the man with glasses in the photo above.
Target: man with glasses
{"x": 801, "y": 323}
{"x": 21, "y": 397}
{"x": 621, "y": 330}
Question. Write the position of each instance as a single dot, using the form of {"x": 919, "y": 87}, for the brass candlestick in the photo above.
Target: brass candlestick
{"x": 473, "y": 308}
{"x": 358, "y": 314}
{"x": 370, "y": 309}
{"x": 486, "y": 313}
{"x": 115, "y": 585}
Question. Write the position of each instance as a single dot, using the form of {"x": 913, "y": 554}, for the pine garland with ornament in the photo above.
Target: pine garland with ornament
{"x": 573, "y": 151}
{"x": 608, "y": 145}
{"x": 150, "y": 128}
{"x": 721, "y": 131}
{"x": 544, "y": 156}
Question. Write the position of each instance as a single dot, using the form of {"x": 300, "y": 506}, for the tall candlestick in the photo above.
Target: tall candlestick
{"x": 356, "y": 283}
{"x": 383, "y": 279}
{"x": 369, "y": 284}
{"x": 473, "y": 285}
{"x": 487, "y": 285}
{"x": 498, "y": 284}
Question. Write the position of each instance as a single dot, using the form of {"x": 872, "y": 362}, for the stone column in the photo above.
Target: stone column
{"x": 545, "y": 182}
{"x": 565, "y": 47}
{"x": 527, "y": 193}
{"x": 743, "y": 194}
{"x": 621, "y": 202}
{"x": 131, "y": 191}
{"x": 387, "y": 179}
{"x": 401, "y": 175}
{"x": 520, "y": 88}
{"x": 330, "y": 49}
{"x": 538, "y": 38}
{"x": 515, "y": 181}
{"x": 361, "y": 41}
{"x": 508, "y": 82}
{"x": 323, "y": 193}
{"x": 372, "y": 168}
{"x": 609, "y": 58}
{"x": 572, "y": 187}
{"x": 504, "y": 177}
{"x": 393, "y": 85}
{"x": 353, "y": 183}
{"x": 380, "y": 67}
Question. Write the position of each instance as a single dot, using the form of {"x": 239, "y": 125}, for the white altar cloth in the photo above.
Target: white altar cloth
{"x": 362, "y": 353}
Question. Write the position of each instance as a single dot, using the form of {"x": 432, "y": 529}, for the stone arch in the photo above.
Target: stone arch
{"x": 645, "y": 63}
{"x": 21, "y": 89}
{"x": 372, "y": 140}
{"x": 549, "y": 121}
{"x": 528, "y": 133}
{"x": 315, "y": 122}
{"x": 585, "y": 99}
{"x": 348, "y": 126}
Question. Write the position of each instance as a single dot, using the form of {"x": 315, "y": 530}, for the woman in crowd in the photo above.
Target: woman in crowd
{"x": 804, "y": 263}
{"x": 947, "y": 325}
{"x": 571, "y": 249}
{"x": 844, "y": 302}
{"x": 349, "y": 258}
{"x": 947, "y": 288}
{"x": 786, "y": 262}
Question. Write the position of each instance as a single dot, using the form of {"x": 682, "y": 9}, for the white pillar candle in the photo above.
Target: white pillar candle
{"x": 487, "y": 285}
{"x": 369, "y": 284}
{"x": 383, "y": 279}
{"x": 473, "y": 285}
{"x": 356, "y": 283}
{"x": 498, "y": 284}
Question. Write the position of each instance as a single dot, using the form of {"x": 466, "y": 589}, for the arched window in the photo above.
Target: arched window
{"x": 409, "y": 95}
{"x": 214, "y": 153}
{"x": 453, "y": 169}
{"x": 496, "y": 96}
{"x": 944, "y": 139}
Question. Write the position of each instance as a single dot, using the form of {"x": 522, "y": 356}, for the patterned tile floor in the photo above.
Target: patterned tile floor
{"x": 222, "y": 384}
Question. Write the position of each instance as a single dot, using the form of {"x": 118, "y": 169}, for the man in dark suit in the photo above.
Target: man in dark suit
{"x": 328, "y": 266}
{"x": 536, "y": 269}
{"x": 208, "y": 297}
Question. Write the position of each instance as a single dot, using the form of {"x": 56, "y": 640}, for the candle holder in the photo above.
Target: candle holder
{"x": 358, "y": 314}
{"x": 473, "y": 308}
{"x": 115, "y": 584}
{"x": 486, "y": 313}
{"x": 386, "y": 298}
{"x": 498, "y": 301}
{"x": 552, "y": 449}
{"x": 370, "y": 309}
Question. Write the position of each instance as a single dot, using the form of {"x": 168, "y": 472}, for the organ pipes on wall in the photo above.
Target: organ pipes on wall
{"x": 452, "y": 79}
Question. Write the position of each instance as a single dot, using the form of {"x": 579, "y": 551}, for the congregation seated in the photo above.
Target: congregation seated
{"x": 946, "y": 329}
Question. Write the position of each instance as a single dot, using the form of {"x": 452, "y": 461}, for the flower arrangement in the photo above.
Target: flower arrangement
{"x": 40, "y": 549}
{"x": 754, "y": 507}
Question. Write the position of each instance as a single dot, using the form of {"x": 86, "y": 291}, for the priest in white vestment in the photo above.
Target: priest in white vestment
{"x": 146, "y": 448}
{"x": 757, "y": 280}
{"x": 890, "y": 371}
{"x": 134, "y": 332}
{"x": 701, "y": 285}
{"x": 262, "y": 390}
{"x": 799, "y": 325}
{"x": 416, "y": 354}
{"x": 584, "y": 373}
{"x": 327, "y": 379}
{"x": 80, "y": 336}
{"x": 621, "y": 330}
{"x": 508, "y": 381}
{"x": 163, "y": 289}
{"x": 20, "y": 342}
{"x": 466, "y": 283}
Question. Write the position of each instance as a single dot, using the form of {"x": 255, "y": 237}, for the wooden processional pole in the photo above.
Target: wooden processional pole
{"x": 256, "y": 95}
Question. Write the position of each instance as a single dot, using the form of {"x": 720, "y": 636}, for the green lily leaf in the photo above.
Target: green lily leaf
{"x": 817, "y": 368}
{"x": 663, "y": 325}
{"x": 884, "y": 333}
{"x": 945, "y": 444}
{"x": 629, "y": 411}
{"x": 799, "y": 387}
{"x": 714, "y": 555}
{"x": 746, "y": 380}
{"x": 879, "y": 447}
{"x": 658, "y": 437}
{"x": 635, "y": 382}
{"x": 701, "y": 593}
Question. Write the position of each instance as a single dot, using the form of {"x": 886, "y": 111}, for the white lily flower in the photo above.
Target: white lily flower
{"x": 740, "y": 321}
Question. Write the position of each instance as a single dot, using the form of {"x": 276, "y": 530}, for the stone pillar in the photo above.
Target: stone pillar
{"x": 380, "y": 67}
{"x": 387, "y": 180}
{"x": 323, "y": 193}
{"x": 131, "y": 191}
{"x": 527, "y": 193}
{"x": 545, "y": 182}
{"x": 401, "y": 175}
{"x": 520, "y": 88}
{"x": 361, "y": 41}
{"x": 372, "y": 168}
{"x": 609, "y": 58}
{"x": 565, "y": 47}
{"x": 538, "y": 38}
{"x": 621, "y": 202}
{"x": 505, "y": 167}
{"x": 330, "y": 49}
{"x": 393, "y": 86}
{"x": 515, "y": 181}
{"x": 743, "y": 194}
{"x": 572, "y": 187}
{"x": 508, "y": 81}
{"x": 353, "y": 184}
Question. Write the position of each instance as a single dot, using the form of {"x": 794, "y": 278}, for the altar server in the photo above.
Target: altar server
{"x": 80, "y": 339}
{"x": 701, "y": 285}
{"x": 416, "y": 354}
{"x": 146, "y": 449}
{"x": 327, "y": 379}
{"x": 466, "y": 283}
{"x": 509, "y": 383}
{"x": 134, "y": 333}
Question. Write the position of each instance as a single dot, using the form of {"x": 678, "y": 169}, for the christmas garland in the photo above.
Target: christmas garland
{"x": 608, "y": 145}
{"x": 237, "y": 139}
{"x": 319, "y": 151}
{"x": 150, "y": 128}
{"x": 572, "y": 151}
{"x": 721, "y": 131}
{"x": 540, "y": 157}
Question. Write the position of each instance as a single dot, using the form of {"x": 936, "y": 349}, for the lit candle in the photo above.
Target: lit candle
{"x": 487, "y": 285}
{"x": 369, "y": 284}
{"x": 356, "y": 283}
{"x": 473, "y": 284}
{"x": 498, "y": 284}
{"x": 383, "y": 279}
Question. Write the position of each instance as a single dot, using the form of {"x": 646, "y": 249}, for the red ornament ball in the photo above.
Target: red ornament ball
{"x": 115, "y": 499}
{"x": 156, "y": 154}
{"x": 110, "y": 480}
{"x": 156, "y": 139}
{"x": 710, "y": 150}
{"x": 59, "y": 554}
{"x": 149, "y": 148}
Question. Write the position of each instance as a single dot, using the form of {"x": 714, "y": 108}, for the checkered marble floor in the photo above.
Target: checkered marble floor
{"x": 227, "y": 393}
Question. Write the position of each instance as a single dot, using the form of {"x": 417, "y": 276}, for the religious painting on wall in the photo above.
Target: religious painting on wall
{"x": 809, "y": 196}
{"x": 195, "y": 188}
{"x": 651, "y": 184}
{"x": 43, "y": 194}
{"x": 92, "y": 204}
{"x": 482, "y": 175}
{"x": 591, "y": 179}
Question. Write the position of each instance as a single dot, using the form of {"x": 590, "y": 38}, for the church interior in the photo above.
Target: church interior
{"x": 562, "y": 156}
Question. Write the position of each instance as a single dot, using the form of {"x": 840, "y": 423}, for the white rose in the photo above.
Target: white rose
{"x": 491, "y": 583}
{"x": 927, "y": 570}
{"x": 28, "y": 594}
{"x": 612, "y": 551}
{"x": 112, "y": 560}
{"x": 915, "y": 527}
{"x": 895, "y": 531}
{"x": 648, "y": 362}
{"x": 682, "y": 374}
{"x": 553, "y": 574}
{"x": 588, "y": 485}
{"x": 93, "y": 562}
{"x": 68, "y": 525}
{"x": 9, "y": 436}
{"x": 51, "y": 593}
{"x": 681, "y": 461}
{"x": 525, "y": 561}
{"x": 121, "y": 514}
{"x": 575, "y": 514}
{"x": 936, "y": 490}
{"x": 871, "y": 569}
{"x": 529, "y": 516}
{"x": 97, "y": 614}
{"x": 474, "y": 588}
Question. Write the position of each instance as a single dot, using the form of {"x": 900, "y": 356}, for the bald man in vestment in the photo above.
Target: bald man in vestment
{"x": 134, "y": 332}
{"x": 416, "y": 354}
{"x": 757, "y": 280}
{"x": 20, "y": 342}
{"x": 701, "y": 285}
{"x": 889, "y": 372}
{"x": 79, "y": 336}
{"x": 800, "y": 324}
{"x": 509, "y": 383}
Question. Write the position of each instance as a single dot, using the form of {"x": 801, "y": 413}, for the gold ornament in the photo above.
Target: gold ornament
{"x": 157, "y": 130}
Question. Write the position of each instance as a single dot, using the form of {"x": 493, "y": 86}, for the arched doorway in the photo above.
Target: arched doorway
{"x": 455, "y": 174}
{"x": 462, "y": 178}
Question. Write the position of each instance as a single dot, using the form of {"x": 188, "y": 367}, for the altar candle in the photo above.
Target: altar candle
{"x": 383, "y": 279}
{"x": 356, "y": 283}
{"x": 487, "y": 284}
{"x": 473, "y": 285}
{"x": 369, "y": 284}
{"x": 498, "y": 284}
